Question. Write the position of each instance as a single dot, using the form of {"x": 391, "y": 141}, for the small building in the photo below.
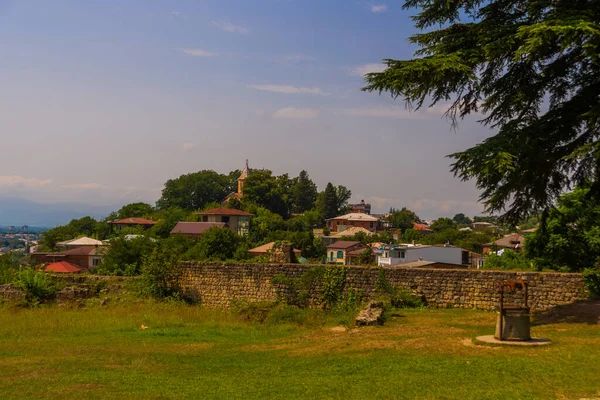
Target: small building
{"x": 121, "y": 224}
{"x": 82, "y": 241}
{"x": 341, "y": 223}
{"x": 265, "y": 250}
{"x": 236, "y": 220}
{"x": 483, "y": 225}
{"x": 62, "y": 267}
{"x": 348, "y": 233}
{"x": 195, "y": 229}
{"x": 512, "y": 241}
{"x": 361, "y": 208}
{"x": 240, "y": 189}
{"x": 423, "y": 228}
{"x": 403, "y": 253}
{"x": 339, "y": 252}
{"x": 84, "y": 257}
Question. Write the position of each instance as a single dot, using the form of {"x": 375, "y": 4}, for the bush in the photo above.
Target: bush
{"x": 591, "y": 277}
{"x": 37, "y": 285}
{"x": 7, "y": 268}
{"x": 297, "y": 291}
{"x": 509, "y": 260}
{"x": 159, "y": 273}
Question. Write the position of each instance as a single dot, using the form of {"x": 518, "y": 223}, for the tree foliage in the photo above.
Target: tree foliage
{"x": 267, "y": 190}
{"x": 571, "y": 236}
{"x": 532, "y": 68}
{"x": 193, "y": 191}
{"x": 135, "y": 210}
{"x": 403, "y": 219}
{"x": 303, "y": 193}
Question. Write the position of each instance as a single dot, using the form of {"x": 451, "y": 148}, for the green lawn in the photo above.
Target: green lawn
{"x": 188, "y": 352}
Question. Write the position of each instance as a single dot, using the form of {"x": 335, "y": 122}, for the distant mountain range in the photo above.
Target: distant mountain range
{"x": 18, "y": 212}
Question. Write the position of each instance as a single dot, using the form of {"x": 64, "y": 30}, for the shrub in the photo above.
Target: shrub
{"x": 7, "y": 269}
{"x": 159, "y": 272}
{"x": 37, "y": 285}
{"x": 334, "y": 281}
{"x": 591, "y": 277}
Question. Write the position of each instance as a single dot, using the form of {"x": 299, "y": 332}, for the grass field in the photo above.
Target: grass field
{"x": 189, "y": 352}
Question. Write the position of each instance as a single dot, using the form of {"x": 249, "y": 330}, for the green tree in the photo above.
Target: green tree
{"x": 193, "y": 191}
{"x": 442, "y": 224}
{"x": 264, "y": 189}
{"x": 303, "y": 193}
{"x": 126, "y": 255}
{"x": 214, "y": 244}
{"x": 532, "y": 68}
{"x": 571, "y": 235}
{"x": 327, "y": 202}
{"x": 462, "y": 219}
{"x": 403, "y": 219}
{"x": 342, "y": 195}
{"x": 159, "y": 271}
{"x": 135, "y": 210}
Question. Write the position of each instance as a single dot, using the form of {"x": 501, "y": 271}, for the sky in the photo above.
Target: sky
{"x": 103, "y": 101}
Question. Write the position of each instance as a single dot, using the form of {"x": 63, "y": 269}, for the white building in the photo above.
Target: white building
{"x": 402, "y": 253}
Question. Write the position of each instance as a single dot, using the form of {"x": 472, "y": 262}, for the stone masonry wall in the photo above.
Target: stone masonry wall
{"x": 216, "y": 285}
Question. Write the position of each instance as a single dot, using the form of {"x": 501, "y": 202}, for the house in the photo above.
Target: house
{"x": 339, "y": 252}
{"x": 121, "y": 224}
{"x": 482, "y": 225}
{"x": 361, "y": 208}
{"x": 265, "y": 250}
{"x": 421, "y": 228}
{"x": 340, "y": 224}
{"x": 512, "y": 241}
{"x": 84, "y": 257}
{"x": 236, "y": 220}
{"x": 195, "y": 229}
{"x": 240, "y": 189}
{"x": 62, "y": 267}
{"x": 82, "y": 241}
{"x": 346, "y": 234}
{"x": 403, "y": 253}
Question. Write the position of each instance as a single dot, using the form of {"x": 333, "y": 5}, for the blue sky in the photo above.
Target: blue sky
{"x": 103, "y": 101}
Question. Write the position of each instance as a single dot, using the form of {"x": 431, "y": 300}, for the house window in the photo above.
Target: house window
{"x": 402, "y": 254}
{"x": 331, "y": 255}
{"x": 371, "y": 225}
{"x": 205, "y": 218}
{"x": 225, "y": 219}
{"x": 95, "y": 262}
{"x": 340, "y": 254}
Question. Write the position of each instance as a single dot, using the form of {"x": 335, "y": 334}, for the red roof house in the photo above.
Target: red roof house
{"x": 62, "y": 267}
{"x": 195, "y": 229}
{"x": 236, "y": 220}
{"x": 132, "y": 222}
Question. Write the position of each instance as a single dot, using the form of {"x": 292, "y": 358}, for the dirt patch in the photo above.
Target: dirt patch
{"x": 338, "y": 329}
{"x": 583, "y": 312}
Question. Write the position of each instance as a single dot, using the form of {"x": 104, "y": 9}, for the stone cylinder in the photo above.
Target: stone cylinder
{"x": 513, "y": 324}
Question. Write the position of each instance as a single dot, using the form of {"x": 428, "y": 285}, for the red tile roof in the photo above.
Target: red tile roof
{"x": 195, "y": 228}
{"x": 62, "y": 267}
{"x": 81, "y": 251}
{"x": 134, "y": 221}
{"x": 420, "y": 227}
{"x": 226, "y": 211}
{"x": 342, "y": 244}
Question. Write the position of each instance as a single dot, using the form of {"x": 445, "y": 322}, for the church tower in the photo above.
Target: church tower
{"x": 241, "y": 180}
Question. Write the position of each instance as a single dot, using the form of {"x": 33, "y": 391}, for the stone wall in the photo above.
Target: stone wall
{"x": 217, "y": 285}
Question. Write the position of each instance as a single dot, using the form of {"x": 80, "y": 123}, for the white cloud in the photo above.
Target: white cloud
{"x": 197, "y": 52}
{"x": 362, "y": 70}
{"x": 188, "y": 146}
{"x": 87, "y": 186}
{"x": 20, "y": 181}
{"x": 379, "y": 8}
{"x": 288, "y": 89}
{"x": 229, "y": 27}
{"x": 292, "y": 112}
